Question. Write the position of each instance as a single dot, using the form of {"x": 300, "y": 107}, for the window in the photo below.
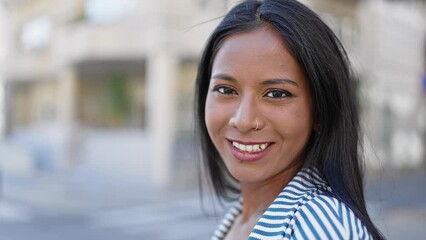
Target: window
{"x": 107, "y": 10}
{"x": 214, "y": 4}
{"x": 35, "y": 34}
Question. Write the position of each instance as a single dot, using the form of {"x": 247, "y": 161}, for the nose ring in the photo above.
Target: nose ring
{"x": 257, "y": 125}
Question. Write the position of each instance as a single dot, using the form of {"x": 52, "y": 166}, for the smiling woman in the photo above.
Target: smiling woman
{"x": 258, "y": 98}
{"x": 278, "y": 122}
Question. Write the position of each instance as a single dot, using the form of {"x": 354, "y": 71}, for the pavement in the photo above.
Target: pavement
{"x": 180, "y": 220}
{"x": 75, "y": 206}
{"x": 396, "y": 203}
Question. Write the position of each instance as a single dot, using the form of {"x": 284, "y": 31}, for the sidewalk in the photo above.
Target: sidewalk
{"x": 74, "y": 193}
{"x": 58, "y": 206}
{"x": 396, "y": 202}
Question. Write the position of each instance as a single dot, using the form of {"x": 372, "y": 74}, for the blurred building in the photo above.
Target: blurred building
{"x": 384, "y": 39}
{"x": 391, "y": 69}
{"x": 108, "y": 84}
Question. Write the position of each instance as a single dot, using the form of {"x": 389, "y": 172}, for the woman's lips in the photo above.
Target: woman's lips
{"x": 249, "y": 152}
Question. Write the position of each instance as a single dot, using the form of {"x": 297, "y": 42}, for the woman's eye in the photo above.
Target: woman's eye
{"x": 277, "y": 94}
{"x": 225, "y": 90}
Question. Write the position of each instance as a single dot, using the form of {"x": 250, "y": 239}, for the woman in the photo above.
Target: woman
{"x": 278, "y": 121}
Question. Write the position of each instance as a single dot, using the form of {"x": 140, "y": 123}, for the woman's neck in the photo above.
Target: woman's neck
{"x": 257, "y": 197}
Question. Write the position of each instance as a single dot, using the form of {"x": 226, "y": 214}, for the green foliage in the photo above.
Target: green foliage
{"x": 116, "y": 100}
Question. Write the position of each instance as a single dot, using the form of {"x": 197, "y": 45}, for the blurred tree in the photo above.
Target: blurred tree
{"x": 116, "y": 100}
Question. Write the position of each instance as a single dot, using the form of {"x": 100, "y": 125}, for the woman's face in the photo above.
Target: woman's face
{"x": 258, "y": 107}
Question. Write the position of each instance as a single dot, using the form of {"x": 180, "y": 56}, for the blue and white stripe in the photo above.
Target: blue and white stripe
{"x": 305, "y": 209}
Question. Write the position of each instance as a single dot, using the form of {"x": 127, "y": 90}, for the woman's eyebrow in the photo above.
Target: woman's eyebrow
{"x": 223, "y": 76}
{"x": 278, "y": 81}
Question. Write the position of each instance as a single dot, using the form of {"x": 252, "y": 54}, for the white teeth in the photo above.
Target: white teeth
{"x": 250, "y": 148}
{"x": 256, "y": 147}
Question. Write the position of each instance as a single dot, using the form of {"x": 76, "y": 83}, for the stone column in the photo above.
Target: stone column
{"x": 67, "y": 97}
{"x": 162, "y": 73}
{"x": 2, "y": 107}
{"x": 4, "y": 40}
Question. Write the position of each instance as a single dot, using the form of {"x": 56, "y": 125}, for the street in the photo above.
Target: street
{"x": 179, "y": 220}
{"x": 62, "y": 210}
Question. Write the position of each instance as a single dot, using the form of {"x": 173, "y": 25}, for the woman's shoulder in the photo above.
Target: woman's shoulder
{"x": 308, "y": 209}
{"x": 325, "y": 217}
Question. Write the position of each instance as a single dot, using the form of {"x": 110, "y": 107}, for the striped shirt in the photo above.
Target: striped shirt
{"x": 305, "y": 209}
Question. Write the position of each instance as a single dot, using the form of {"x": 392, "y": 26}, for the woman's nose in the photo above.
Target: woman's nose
{"x": 245, "y": 116}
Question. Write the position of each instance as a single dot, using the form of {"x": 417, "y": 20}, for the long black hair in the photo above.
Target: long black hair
{"x": 336, "y": 150}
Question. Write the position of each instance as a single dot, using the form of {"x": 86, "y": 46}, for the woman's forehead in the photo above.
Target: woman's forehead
{"x": 260, "y": 51}
{"x": 261, "y": 40}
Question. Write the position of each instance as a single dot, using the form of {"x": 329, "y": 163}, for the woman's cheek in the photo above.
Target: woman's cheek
{"x": 210, "y": 115}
